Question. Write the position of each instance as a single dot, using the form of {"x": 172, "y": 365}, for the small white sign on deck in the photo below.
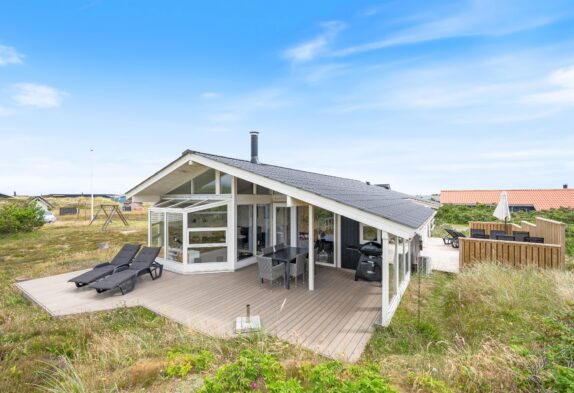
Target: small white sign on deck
{"x": 247, "y": 324}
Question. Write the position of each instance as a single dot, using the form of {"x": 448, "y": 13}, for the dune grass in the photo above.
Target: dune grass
{"x": 479, "y": 331}
{"x": 490, "y": 328}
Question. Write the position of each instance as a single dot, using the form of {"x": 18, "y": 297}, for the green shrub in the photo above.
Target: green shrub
{"x": 254, "y": 371}
{"x": 251, "y": 371}
{"x": 20, "y": 218}
{"x": 425, "y": 382}
{"x": 180, "y": 364}
{"x": 335, "y": 377}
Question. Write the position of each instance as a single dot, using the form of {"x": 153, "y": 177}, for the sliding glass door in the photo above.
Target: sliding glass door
{"x": 244, "y": 231}
{"x": 282, "y": 225}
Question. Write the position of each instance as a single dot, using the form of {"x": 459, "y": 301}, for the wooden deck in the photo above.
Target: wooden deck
{"x": 336, "y": 320}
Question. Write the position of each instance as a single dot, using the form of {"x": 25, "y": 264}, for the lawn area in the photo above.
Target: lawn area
{"x": 488, "y": 329}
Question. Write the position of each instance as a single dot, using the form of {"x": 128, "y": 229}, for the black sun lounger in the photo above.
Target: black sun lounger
{"x": 453, "y": 239}
{"x": 123, "y": 257}
{"x": 125, "y": 277}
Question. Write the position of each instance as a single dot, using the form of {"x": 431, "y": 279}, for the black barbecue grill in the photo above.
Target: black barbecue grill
{"x": 370, "y": 263}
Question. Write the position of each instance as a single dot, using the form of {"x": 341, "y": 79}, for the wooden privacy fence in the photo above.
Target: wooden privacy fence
{"x": 551, "y": 254}
{"x": 494, "y": 226}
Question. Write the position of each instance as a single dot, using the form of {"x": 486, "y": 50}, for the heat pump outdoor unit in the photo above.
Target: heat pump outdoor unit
{"x": 424, "y": 263}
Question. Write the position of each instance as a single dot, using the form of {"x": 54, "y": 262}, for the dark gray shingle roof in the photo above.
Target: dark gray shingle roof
{"x": 392, "y": 205}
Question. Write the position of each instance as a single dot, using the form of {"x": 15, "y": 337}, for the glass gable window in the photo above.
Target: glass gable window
{"x": 262, "y": 190}
{"x": 184, "y": 189}
{"x": 204, "y": 183}
{"x": 225, "y": 183}
{"x": 216, "y": 217}
{"x": 244, "y": 187}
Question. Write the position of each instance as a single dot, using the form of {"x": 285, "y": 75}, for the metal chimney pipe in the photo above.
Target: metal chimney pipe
{"x": 565, "y": 186}
{"x": 255, "y": 147}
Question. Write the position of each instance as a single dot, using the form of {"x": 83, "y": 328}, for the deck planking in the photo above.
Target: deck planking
{"x": 335, "y": 320}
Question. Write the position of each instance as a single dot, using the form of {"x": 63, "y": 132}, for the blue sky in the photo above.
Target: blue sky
{"x": 425, "y": 95}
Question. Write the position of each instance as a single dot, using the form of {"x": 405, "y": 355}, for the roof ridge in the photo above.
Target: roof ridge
{"x": 291, "y": 169}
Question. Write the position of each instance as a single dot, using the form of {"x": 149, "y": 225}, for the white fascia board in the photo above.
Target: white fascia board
{"x": 158, "y": 175}
{"x": 308, "y": 197}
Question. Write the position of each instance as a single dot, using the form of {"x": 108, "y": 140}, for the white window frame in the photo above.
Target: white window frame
{"x": 335, "y": 242}
{"x": 361, "y": 233}
{"x": 206, "y": 245}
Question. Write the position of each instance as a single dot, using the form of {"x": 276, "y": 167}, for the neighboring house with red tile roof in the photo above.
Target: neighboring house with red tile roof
{"x": 541, "y": 199}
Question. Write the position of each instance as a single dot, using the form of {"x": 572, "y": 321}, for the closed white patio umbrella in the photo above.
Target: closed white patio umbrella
{"x": 502, "y": 211}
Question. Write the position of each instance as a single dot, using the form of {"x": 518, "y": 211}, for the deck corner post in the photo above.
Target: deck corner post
{"x": 385, "y": 278}
{"x": 311, "y": 250}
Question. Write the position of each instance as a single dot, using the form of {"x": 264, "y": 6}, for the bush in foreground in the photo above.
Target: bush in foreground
{"x": 20, "y": 218}
{"x": 254, "y": 371}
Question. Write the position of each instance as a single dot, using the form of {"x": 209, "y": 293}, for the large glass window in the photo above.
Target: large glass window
{"x": 157, "y": 231}
{"x": 207, "y": 237}
{"x": 244, "y": 187}
{"x": 283, "y": 225}
{"x": 175, "y": 237}
{"x": 184, "y": 189}
{"x": 259, "y": 190}
{"x": 244, "y": 231}
{"x": 402, "y": 259}
{"x": 324, "y": 235}
{"x": 392, "y": 254}
{"x": 224, "y": 183}
{"x": 263, "y": 226}
{"x": 303, "y": 227}
{"x": 216, "y": 217}
{"x": 369, "y": 234}
{"x": 207, "y": 254}
{"x": 204, "y": 183}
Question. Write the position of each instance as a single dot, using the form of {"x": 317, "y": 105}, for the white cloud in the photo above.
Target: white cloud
{"x": 311, "y": 49}
{"x": 9, "y": 55}
{"x": 478, "y": 18}
{"x": 210, "y": 95}
{"x": 563, "y": 79}
{"x": 39, "y": 96}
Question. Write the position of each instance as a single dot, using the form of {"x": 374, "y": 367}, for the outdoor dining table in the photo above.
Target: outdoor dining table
{"x": 286, "y": 256}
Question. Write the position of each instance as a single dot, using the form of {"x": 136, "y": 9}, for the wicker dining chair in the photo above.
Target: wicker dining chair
{"x": 269, "y": 272}
{"x": 298, "y": 268}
